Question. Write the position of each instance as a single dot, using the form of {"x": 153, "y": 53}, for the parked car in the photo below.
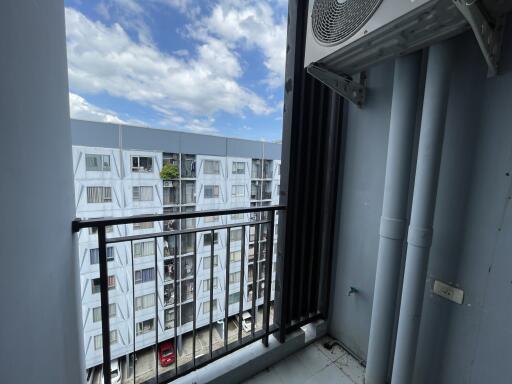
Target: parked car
{"x": 166, "y": 354}
{"x": 115, "y": 373}
{"x": 246, "y": 321}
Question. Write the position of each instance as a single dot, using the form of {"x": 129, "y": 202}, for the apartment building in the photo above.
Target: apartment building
{"x": 117, "y": 172}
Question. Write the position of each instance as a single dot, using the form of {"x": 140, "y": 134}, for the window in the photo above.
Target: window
{"x": 234, "y": 298}
{"x": 206, "y": 284}
{"x": 252, "y": 233}
{"x": 169, "y": 318}
{"x": 211, "y": 167}
{"x": 168, "y": 294}
{"x": 171, "y": 159}
{"x": 279, "y": 170}
{"x": 267, "y": 169}
{"x": 235, "y": 256}
{"x": 188, "y": 192}
{"x": 144, "y": 301}
{"x": 211, "y": 219}
{"x": 267, "y": 190}
{"x": 234, "y": 277}
{"x": 98, "y": 340}
{"x": 95, "y": 284}
{"x": 187, "y": 243}
{"x": 237, "y": 190}
{"x": 170, "y": 246}
{"x": 94, "y": 230}
{"x": 236, "y": 234}
{"x": 206, "y": 306}
{"x": 168, "y": 269}
{"x": 97, "y": 162}
{"x": 211, "y": 191}
{"x": 99, "y": 195}
{"x": 142, "y": 193}
{"x": 237, "y": 216}
{"x": 207, "y": 260}
{"x": 145, "y": 326}
{"x": 96, "y": 312}
{"x": 256, "y": 190}
{"x": 171, "y": 192}
{"x": 146, "y": 225}
{"x": 256, "y": 169}
{"x": 188, "y": 166}
{"x": 238, "y": 168}
{"x": 187, "y": 266}
{"x": 144, "y": 275}
{"x": 142, "y": 164}
{"x": 94, "y": 255}
{"x": 191, "y": 222}
{"x": 145, "y": 248}
{"x": 207, "y": 241}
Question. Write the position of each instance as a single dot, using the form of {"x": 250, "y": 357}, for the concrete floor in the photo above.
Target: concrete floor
{"x": 314, "y": 365}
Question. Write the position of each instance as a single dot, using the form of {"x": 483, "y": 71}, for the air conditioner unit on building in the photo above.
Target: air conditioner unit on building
{"x": 345, "y": 37}
{"x": 350, "y": 35}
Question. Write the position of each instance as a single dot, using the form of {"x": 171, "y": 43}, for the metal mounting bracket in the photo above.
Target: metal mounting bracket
{"x": 488, "y": 32}
{"x": 343, "y": 85}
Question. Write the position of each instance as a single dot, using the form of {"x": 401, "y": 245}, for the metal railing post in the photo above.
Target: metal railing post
{"x": 226, "y": 308}
{"x": 241, "y": 303}
{"x": 212, "y": 248}
{"x": 268, "y": 278}
{"x": 176, "y": 317}
{"x": 156, "y": 310}
{"x": 105, "y": 317}
{"x": 255, "y": 276}
{"x": 194, "y": 303}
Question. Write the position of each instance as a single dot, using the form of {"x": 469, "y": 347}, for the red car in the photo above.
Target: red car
{"x": 166, "y": 353}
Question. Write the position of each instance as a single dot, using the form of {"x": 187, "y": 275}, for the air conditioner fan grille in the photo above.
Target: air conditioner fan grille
{"x": 336, "y": 20}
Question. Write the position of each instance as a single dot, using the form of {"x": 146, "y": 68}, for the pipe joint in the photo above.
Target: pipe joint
{"x": 420, "y": 237}
{"x": 392, "y": 228}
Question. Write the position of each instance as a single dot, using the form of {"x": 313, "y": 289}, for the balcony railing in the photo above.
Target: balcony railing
{"x": 189, "y": 291}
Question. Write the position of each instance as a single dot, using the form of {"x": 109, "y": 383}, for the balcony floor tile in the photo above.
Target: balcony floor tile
{"x": 314, "y": 365}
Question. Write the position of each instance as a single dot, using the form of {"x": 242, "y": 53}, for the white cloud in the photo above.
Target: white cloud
{"x": 182, "y": 5}
{"x": 133, "y": 15}
{"x": 250, "y": 24}
{"x": 282, "y": 3}
{"x": 173, "y": 120}
{"x": 105, "y": 59}
{"x": 82, "y": 109}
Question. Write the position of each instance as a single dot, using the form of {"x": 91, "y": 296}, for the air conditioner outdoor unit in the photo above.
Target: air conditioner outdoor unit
{"x": 348, "y": 36}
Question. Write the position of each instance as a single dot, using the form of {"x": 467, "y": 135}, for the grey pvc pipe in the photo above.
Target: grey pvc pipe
{"x": 394, "y": 211}
{"x": 423, "y": 204}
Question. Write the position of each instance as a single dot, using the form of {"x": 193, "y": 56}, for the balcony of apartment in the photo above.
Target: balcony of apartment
{"x": 428, "y": 151}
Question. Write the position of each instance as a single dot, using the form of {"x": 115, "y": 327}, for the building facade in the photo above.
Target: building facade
{"x": 117, "y": 173}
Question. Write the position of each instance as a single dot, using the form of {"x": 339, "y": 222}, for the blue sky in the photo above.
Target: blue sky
{"x": 201, "y": 66}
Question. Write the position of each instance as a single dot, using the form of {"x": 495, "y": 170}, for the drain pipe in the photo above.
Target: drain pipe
{"x": 422, "y": 214}
{"x": 404, "y": 106}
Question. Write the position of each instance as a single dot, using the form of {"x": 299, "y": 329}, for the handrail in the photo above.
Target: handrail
{"x": 263, "y": 334}
{"x": 78, "y": 224}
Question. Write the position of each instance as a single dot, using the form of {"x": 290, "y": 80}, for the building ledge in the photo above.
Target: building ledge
{"x": 254, "y": 358}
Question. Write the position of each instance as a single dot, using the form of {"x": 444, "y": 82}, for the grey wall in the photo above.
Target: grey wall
{"x": 107, "y": 135}
{"x": 360, "y": 207}
{"x": 472, "y": 245}
{"x": 40, "y": 337}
